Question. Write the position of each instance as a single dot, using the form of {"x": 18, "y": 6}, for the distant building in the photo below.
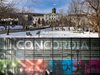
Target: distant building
{"x": 36, "y": 17}
{"x": 52, "y": 16}
{"x": 32, "y": 18}
{"x": 82, "y": 18}
{"x": 47, "y": 17}
{"x": 53, "y": 10}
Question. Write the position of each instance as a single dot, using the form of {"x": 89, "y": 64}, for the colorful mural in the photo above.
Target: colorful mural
{"x": 93, "y": 67}
{"x": 61, "y": 67}
{"x": 57, "y": 67}
{"x": 8, "y": 67}
{"x": 36, "y": 67}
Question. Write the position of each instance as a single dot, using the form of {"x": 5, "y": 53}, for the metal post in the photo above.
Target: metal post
{"x": 77, "y": 62}
{"x": 8, "y": 30}
{"x": 8, "y": 27}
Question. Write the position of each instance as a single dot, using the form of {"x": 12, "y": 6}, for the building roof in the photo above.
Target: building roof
{"x": 53, "y": 13}
{"x": 53, "y": 8}
{"x": 24, "y": 13}
{"x": 37, "y": 14}
{"x": 77, "y": 14}
{"x": 34, "y": 14}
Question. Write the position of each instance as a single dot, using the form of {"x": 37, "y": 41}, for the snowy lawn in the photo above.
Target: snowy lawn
{"x": 15, "y": 27}
{"x": 49, "y": 33}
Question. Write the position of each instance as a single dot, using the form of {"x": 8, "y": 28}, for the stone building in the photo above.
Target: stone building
{"x": 81, "y": 19}
{"x": 47, "y": 17}
{"x": 36, "y": 17}
{"x": 52, "y": 16}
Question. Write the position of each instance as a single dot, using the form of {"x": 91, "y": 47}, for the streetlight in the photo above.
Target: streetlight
{"x": 8, "y": 27}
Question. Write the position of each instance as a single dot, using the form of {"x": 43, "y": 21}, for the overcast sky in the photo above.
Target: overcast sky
{"x": 45, "y": 6}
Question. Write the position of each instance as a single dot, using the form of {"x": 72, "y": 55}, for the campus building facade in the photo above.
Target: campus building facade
{"x": 61, "y": 56}
{"x": 47, "y": 17}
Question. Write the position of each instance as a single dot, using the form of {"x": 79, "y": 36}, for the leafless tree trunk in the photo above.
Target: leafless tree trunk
{"x": 61, "y": 11}
{"x": 25, "y": 17}
{"x": 94, "y": 5}
{"x": 76, "y": 8}
{"x": 62, "y": 22}
{"x": 7, "y": 10}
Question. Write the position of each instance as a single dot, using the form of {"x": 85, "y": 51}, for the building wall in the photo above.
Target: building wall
{"x": 47, "y": 17}
{"x": 73, "y": 18}
{"x": 61, "y": 56}
{"x": 52, "y": 16}
{"x": 35, "y": 18}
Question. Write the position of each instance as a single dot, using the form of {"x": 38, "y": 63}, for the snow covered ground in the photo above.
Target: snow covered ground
{"x": 2, "y": 27}
{"x": 15, "y": 27}
{"x": 49, "y": 33}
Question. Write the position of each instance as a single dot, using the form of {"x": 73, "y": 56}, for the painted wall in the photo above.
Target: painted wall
{"x": 57, "y": 67}
{"x": 21, "y": 56}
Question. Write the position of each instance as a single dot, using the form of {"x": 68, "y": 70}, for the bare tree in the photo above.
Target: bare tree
{"x": 52, "y": 24}
{"x": 43, "y": 22}
{"x": 56, "y": 24}
{"x": 94, "y": 6}
{"x": 69, "y": 24}
{"x": 7, "y": 10}
{"x": 61, "y": 11}
{"x": 76, "y": 9}
{"x": 25, "y": 17}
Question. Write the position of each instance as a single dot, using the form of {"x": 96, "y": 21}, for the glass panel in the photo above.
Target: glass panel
{"x": 38, "y": 46}
{"x": 95, "y": 50}
{"x": 66, "y": 47}
{"x": 2, "y": 54}
{"x": 28, "y": 49}
{"x": 20, "y": 54}
{"x": 57, "y": 49}
{"x": 2, "y": 43}
{"x": 18, "y": 44}
{"x": 76, "y": 51}
{"x": 9, "y": 43}
{"x": 23, "y": 56}
{"x": 85, "y": 49}
{"x": 47, "y": 49}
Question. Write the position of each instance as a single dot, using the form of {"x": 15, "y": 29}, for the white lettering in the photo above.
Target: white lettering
{"x": 63, "y": 44}
{"x": 20, "y": 46}
{"x": 69, "y": 47}
{"x": 84, "y": 45}
{"x": 57, "y": 45}
{"x": 28, "y": 45}
{"x": 73, "y": 45}
{"x": 40, "y": 46}
{"x": 77, "y": 44}
{"x": 45, "y": 43}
